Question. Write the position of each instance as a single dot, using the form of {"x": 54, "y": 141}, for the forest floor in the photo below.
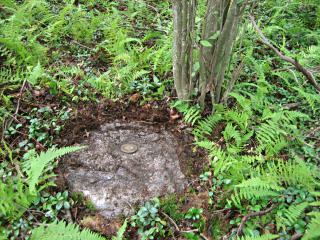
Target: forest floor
{"x": 89, "y": 116}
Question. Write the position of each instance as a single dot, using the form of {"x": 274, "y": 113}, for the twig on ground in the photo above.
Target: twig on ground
{"x": 296, "y": 236}
{"x": 39, "y": 224}
{"x": 145, "y": 28}
{"x": 253, "y": 214}
{"x": 69, "y": 216}
{"x": 190, "y": 231}
{"x": 13, "y": 117}
{"x": 220, "y": 211}
{"x": 81, "y": 45}
{"x": 171, "y": 220}
{"x": 131, "y": 206}
{"x": 294, "y": 75}
{"x": 294, "y": 62}
{"x": 282, "y": 69}
{"x": 311, "y": 132}
{"x": 190, "y": 183}
{"x": 234, "y": 78}
{"x": 292, "y": 105}
{"x": 203, "y": 236}
{"x": 21, "y": 90}
{"x": 195, "y": 230}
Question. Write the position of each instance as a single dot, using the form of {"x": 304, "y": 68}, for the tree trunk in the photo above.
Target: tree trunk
{"x": 214, "y": 62}
{"x": 221, "y": 20}
{"x": 183, "y": 24}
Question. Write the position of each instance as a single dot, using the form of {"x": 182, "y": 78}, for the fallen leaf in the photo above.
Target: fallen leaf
{"x": 174, "y": 117}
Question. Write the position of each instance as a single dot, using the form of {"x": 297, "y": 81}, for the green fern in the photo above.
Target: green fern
{"x": 207, "y": 125}
{"x": 312, "y": 99}
{"x": 14, "y": 199}
{"x": 293, "y": 213}
{"x": 257, "y": 187}
{"x": 40, "y": 164}
{"x": 263, "y": 237}
{"x": 294, "y": 172}
{"x": 278, "y": 130}
{"x": 313, "y": 228}
{"x": 63, "y": 231}
{"x": 269, "y": 181}
{"x": 230, "y": 132}
{"x": 243, "y": 102}
{"x": 121, "y": 231}
{"x": 17, "y": 195}
{"x": 191, "y": 114}
{"x": 241, "y": 118}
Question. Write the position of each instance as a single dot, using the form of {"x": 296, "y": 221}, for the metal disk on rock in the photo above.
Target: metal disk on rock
{"x": 129, "y": 148}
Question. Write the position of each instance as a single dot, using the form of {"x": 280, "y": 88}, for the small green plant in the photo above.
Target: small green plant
{"x": 148, "y": 221}
{"x": 195, "y": 215}
{"x": 51, "y": 205}
{"x": 171, "y": 205}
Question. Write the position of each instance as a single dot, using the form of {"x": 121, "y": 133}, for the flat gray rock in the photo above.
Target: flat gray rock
{"x": 115, "y": 180}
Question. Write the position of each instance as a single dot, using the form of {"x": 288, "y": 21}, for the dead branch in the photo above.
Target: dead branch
{"x": 203, "y": 236}
{"x": 294, "y": 62}
{"x": 196, "y": 230}
{"x": 294, "y": 75}
{"x": 311, "y": 132}
{"x": 81, "y": 45}
{"x": 235, "y": 76}
{"x": 21, "y": 90}
{"x": 292, "y": 105}
{"x": 171, "y": 220}
{"x": 296, "y": 236}
{"x": 253, "y": 214}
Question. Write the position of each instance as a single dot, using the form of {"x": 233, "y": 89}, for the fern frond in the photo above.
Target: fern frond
{"x": 311, "y": 98}
{"x": 240, "y": 118}
{"x": 63, "y": 231}
{"x": 293, "y": 213}
{"x": 258, "y": 188}
{"x": 14, "y": 199}
{"x": 208, "y": 145}
{"x": 263, "y": 237}
{"x": 121, "y": 231}
{"x": 230, "y": 132}
{"x": 313, "y": 227}
{"x": 271, "y": 138}
{"x": 190, "y": 113}
{"x": 243, "y": 102}
{"x": 291, "y": 173}
{"x": 206, "y": 126}
{"x": 37, "y": 166}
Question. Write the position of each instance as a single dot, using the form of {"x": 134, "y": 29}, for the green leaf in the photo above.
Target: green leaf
{"x": 36, "y": 73}
{"x": 215, "y": 36}
{"x": 66, "y": 205}
{"x": 205, "y": 43}
{"x": 59, "y": 205}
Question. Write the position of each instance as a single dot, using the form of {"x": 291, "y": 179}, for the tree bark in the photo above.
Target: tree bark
{"x": 214, "y": 73}
{"x": 222, "y": 19}
{"x": 183, "y": 24}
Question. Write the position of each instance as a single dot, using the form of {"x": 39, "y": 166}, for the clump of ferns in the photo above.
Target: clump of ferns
{"x": 273, "y": 180}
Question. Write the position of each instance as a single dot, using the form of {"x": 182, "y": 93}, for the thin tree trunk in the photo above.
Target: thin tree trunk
{"x": 183, "y": 21}
{"x": 214, "y": 60}
{"x": 222, "y": 19}
{"x": 177, "y": 27}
